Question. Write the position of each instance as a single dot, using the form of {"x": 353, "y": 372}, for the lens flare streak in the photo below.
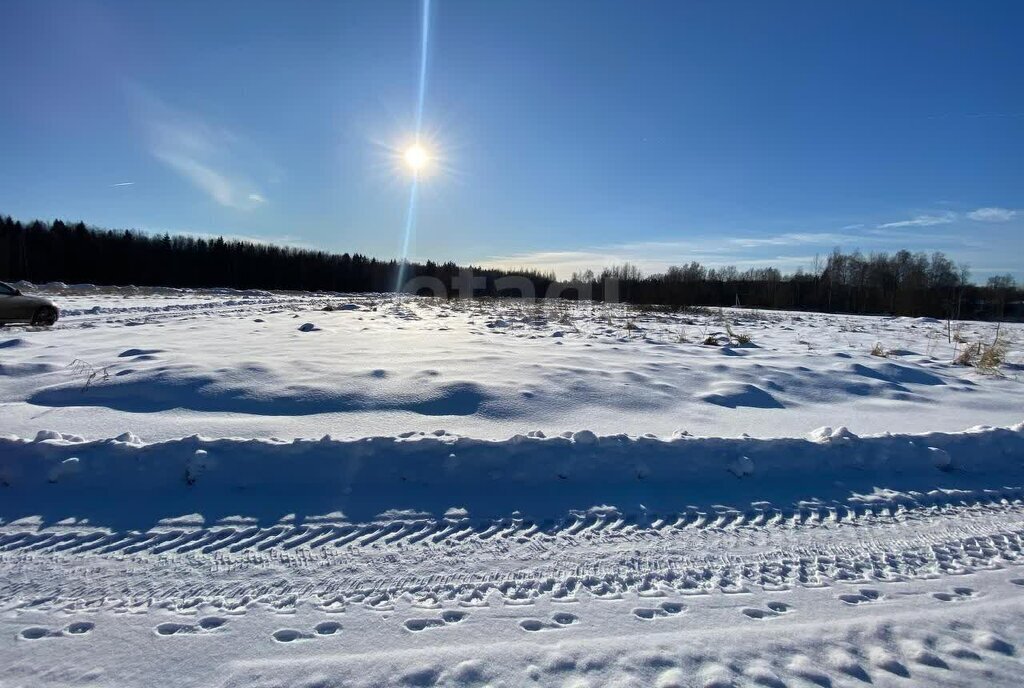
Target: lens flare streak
{"x": 410, "y": 226}
{"x": 424, "y": 39}
{"x": 410, "y": 217}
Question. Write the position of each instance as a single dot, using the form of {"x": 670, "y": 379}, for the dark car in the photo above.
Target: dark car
{"x": 16, "y": 307}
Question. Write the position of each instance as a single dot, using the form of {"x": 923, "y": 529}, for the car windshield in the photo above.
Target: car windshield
{"x": 6, "y": 289}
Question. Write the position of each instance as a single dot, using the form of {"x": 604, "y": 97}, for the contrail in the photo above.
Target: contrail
{"x": 410, "y": 216}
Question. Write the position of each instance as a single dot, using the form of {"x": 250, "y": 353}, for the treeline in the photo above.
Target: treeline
{"x": 903, "y": 283}
{"x": 75, "y": 253}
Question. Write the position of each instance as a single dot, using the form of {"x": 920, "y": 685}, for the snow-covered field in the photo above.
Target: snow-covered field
{"x": 245, "y": 489}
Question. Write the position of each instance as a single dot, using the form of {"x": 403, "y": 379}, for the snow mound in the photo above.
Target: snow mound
{"x": 826, "y": 435}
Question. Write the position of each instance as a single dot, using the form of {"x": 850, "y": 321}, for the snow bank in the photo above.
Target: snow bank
{"x": 134, "y": 484}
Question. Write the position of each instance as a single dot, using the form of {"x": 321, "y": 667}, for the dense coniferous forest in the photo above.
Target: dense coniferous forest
{"x": 903, "y": 283}
{"x": 42, "y": 252}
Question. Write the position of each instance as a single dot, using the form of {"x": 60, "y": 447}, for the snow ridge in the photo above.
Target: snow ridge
{"x": 57, "y": 476}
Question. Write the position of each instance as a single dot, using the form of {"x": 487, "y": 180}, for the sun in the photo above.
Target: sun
{"x": 416, "y": 157}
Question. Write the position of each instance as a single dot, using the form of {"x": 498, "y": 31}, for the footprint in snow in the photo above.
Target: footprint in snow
{"x": 327, "y": 628}
{"x": 80, "y": 627}
{"x": 664, "y": 609}
{"x": 862, "y": 596}
{"x": 773, "y": 609}
{"x": 448, "y": 617}
{"x": 956, "y": 595}
{"x": 74, "y": 628}
{"x": 559, "y": 620}
{"x": 211, "y": 622}
{"x": 206, "y": 624}
{"x": 290, "y": 635}
{"x": 171, "y": 628}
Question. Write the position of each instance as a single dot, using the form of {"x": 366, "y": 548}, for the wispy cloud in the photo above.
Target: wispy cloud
{"x": 215, "y": 184}
{"x": 922, "y": 221}
{"x": 786, "y": 251}
{"x": 205, "y": 155}
{"x": 992, "y": 214}
{"x": 650, "y": 261}
{"x": 989, "y": 214}
{"x": 123, "y": 184}
{"x": 792, "y": 239}
{"x": 658, "y": 256}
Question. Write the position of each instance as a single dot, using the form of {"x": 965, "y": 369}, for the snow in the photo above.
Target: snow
{"x": 448, "y": 476}
{"x": 175, "y": 362}
{"x": 231, "y": 488}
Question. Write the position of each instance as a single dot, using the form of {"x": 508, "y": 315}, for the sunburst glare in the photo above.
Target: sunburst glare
{"x": 416, "y": 157}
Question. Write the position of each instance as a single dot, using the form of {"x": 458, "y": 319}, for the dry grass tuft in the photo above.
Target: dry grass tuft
{"x": 741, "y": 338}
{"x": 968, "y": 356}
{"x": 984, "y": 357}
{"x": 90, "y": 372}
{"x": 993, "y": 356}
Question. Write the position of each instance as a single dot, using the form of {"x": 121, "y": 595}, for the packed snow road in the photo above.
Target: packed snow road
{"x": 385, "y": 561}
{"x": 599, "y": 555}
{"x": 882, "y": 548}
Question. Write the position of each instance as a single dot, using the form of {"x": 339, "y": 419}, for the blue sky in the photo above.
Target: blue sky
{"x": 567, "y": 134}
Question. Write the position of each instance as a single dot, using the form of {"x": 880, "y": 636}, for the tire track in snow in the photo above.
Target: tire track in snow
{"x": 518, "y": 560}
{"x": 426, "y": 532}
